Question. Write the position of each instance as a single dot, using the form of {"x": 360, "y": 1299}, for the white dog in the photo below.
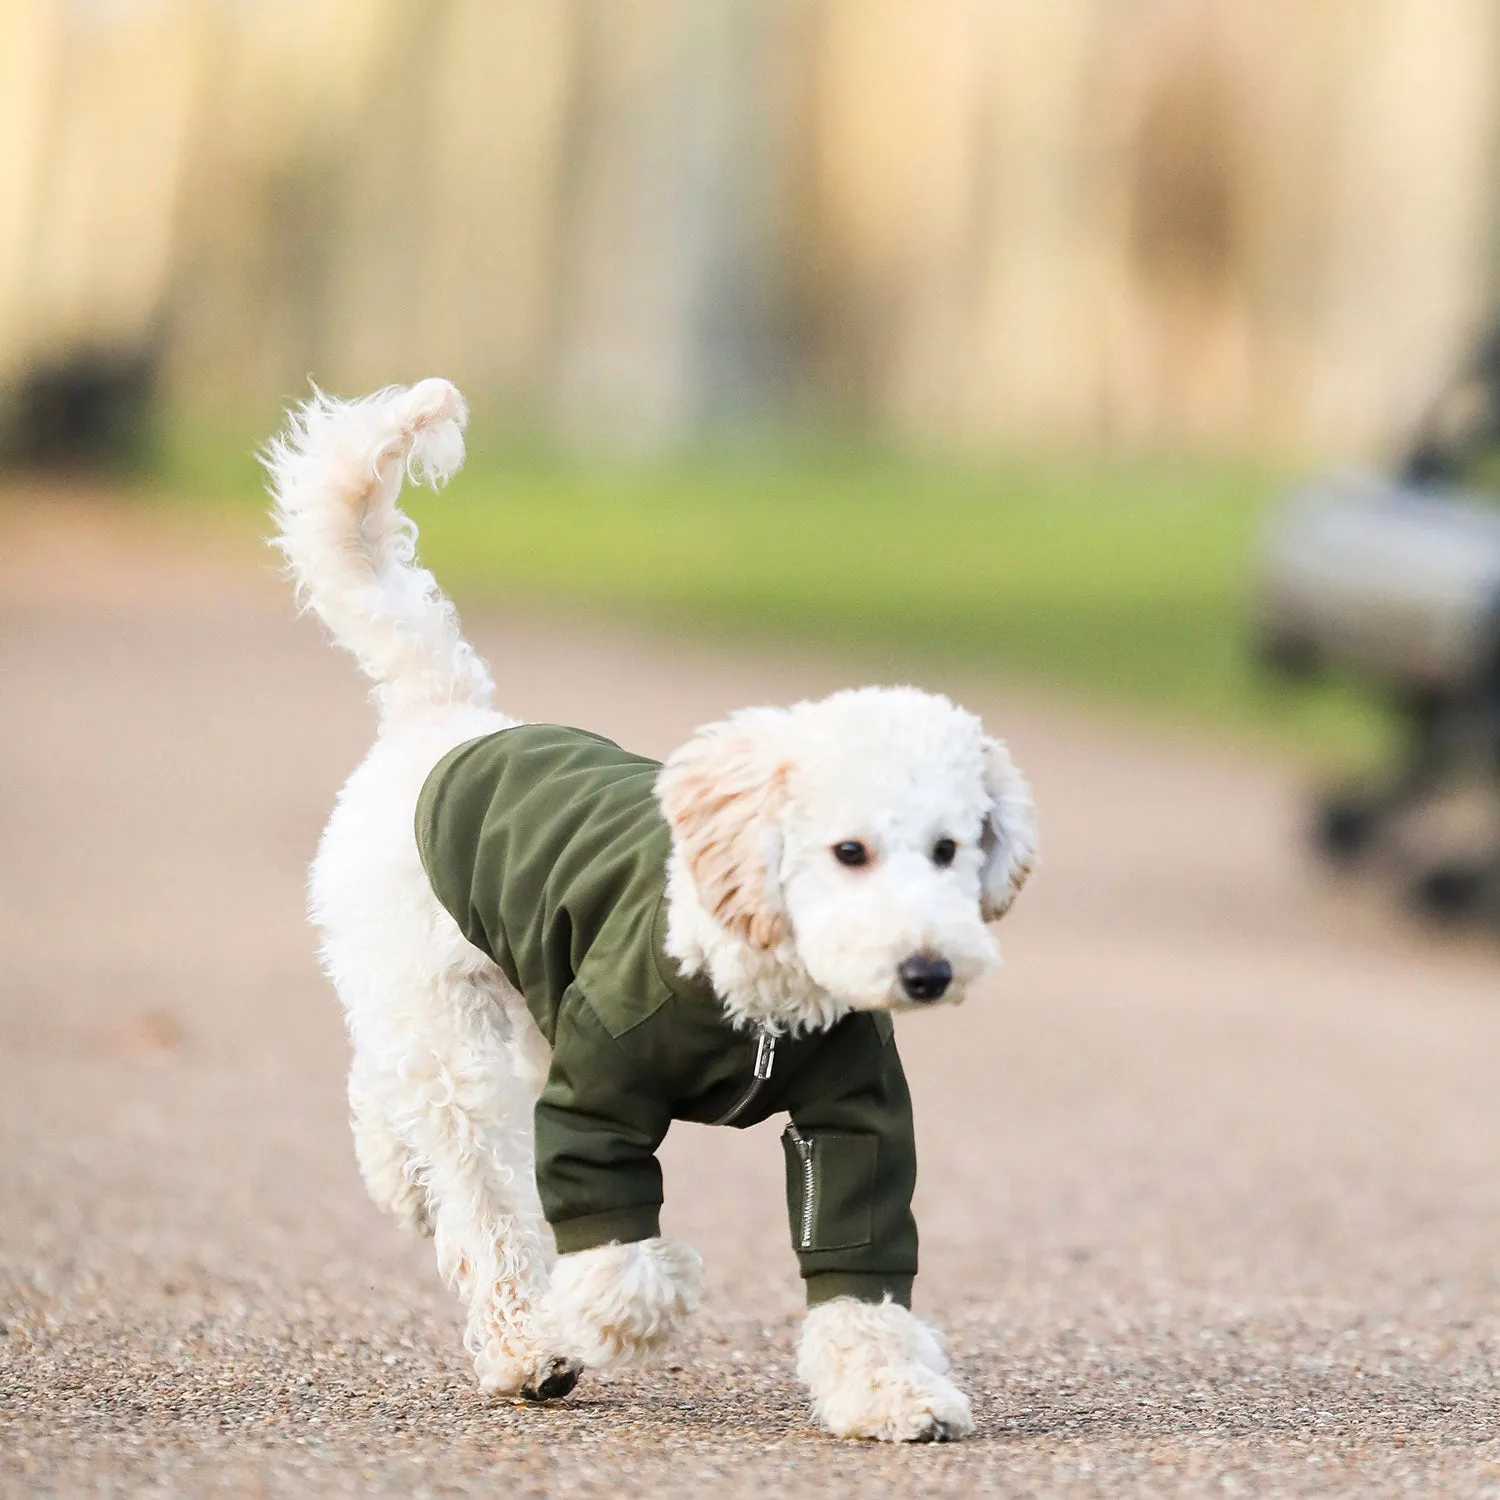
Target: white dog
{"x": 576, "y": 946}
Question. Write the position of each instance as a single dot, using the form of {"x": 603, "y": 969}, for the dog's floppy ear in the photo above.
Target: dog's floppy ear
{"x": 721, "y": 792}
{"x": 1009, "y": 836}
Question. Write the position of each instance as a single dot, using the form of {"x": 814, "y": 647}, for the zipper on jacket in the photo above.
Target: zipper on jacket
{"x": 804, "y": 1148}
{"x": 765, "y": 1060}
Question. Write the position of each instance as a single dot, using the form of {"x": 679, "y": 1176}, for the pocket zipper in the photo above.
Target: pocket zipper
{"x": 804, "y": 1148}
{"x": 765, "y": 1060}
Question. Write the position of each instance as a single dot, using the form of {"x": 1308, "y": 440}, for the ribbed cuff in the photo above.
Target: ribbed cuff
{"x": 615, "y": 1226}
{"x": 863, "y": 1286}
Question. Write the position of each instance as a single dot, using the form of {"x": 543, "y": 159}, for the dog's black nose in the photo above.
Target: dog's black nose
{"x": 925, "y": 978}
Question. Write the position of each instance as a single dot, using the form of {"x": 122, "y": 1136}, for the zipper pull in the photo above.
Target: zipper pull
{"x": 765, "y": 1055}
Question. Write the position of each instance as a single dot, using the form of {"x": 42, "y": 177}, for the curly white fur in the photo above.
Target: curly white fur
{"x": 791, "y": 938}
{"x": 619, "y": 1305}
{"x": 878, "y": 1371}
{"x": 335, "y": 475}
{"x": 447, "y": 1061}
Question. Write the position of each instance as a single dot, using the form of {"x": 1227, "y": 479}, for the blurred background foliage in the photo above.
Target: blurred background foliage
{"x": 982, "y": 328}
{"x": 1120, "y": 582}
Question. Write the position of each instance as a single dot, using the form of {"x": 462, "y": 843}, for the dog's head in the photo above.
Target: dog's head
{"x": 876, "y": 832}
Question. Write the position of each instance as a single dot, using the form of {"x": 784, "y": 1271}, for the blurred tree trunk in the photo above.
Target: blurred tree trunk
{"x": 673, "y": 235}
{"x": 972, "y": 222}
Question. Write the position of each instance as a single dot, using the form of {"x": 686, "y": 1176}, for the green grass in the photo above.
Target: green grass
{"x": 1127, "y": 584}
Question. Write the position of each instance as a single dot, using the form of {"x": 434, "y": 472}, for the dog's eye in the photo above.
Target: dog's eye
{"x": 943, "y": 852}
{"x": 852, "y": 853}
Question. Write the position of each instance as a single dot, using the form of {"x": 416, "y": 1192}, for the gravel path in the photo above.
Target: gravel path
{"x": 1211, "y": 1178}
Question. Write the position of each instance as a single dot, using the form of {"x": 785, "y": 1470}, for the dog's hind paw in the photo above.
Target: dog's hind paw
{"x": 528, "y": 1374}
{"x": 556, "y": 1382}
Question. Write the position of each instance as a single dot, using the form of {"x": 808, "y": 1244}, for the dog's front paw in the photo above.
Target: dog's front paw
{"x": 617, "y": 1305}
{"x": 874, "y": 1370}
{"x": 909, "y": 1405}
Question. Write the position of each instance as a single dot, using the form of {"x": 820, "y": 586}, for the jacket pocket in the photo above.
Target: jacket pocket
{"x": 830, "y": 1188}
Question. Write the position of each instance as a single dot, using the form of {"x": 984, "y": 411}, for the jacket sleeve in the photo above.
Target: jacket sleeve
{"x": 597, "y": 1133}
{"x": 851, "y": 1167}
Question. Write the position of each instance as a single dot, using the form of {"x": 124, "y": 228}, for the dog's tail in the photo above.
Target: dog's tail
{"x": 336, "y": 473}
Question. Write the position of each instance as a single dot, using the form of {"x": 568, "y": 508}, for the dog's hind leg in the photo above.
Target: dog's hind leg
{"x": 467, "y": 1119}
{"x": 385, "y": 1160}
{"x": 442, "y": 1091}
{"x": 447, "y": 1061}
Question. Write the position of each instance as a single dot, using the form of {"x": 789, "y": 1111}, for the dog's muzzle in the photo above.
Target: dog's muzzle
{"x": 925, "y": 979}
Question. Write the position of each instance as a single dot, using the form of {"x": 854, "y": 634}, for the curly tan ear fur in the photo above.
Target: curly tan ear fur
{"x": 721, "y": 792}
{"x": 1009, "y": 836}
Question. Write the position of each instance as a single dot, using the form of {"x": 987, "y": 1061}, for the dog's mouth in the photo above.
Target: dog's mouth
{"x": 899, "y": 1004}
{"x": 923, "y": 995}
{"x": 923, "y": 972}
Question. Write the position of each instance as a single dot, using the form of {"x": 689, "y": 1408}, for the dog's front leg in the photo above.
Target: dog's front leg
{"x": 619, "y": 1304}
{"x": 876, "y": 1370}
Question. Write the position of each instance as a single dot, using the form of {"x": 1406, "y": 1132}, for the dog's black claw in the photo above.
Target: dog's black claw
{"x": 557, "y": 1384}
{"x": 937, "y": 1433}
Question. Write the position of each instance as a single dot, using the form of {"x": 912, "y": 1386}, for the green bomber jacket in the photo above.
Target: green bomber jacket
{"x": 548, "y": 848}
